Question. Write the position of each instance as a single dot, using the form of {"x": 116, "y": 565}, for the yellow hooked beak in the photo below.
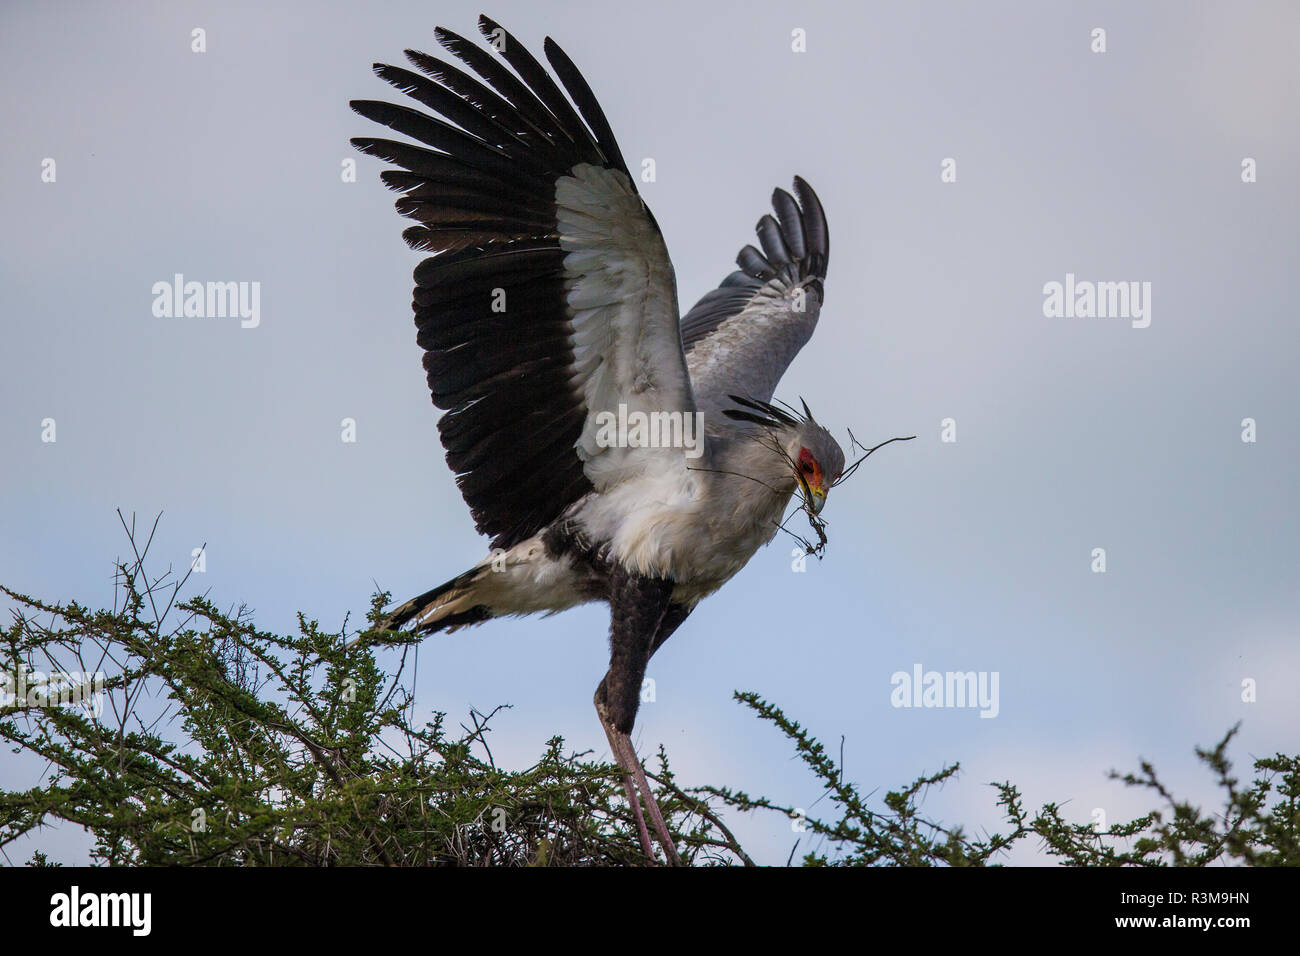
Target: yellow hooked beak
{"x": 814, "y": 497}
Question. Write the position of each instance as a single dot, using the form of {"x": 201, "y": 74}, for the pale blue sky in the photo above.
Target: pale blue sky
{"x": 1073, "y": 434}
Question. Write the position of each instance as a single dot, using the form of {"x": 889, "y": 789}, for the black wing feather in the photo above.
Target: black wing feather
{"x": 796, "y": 247}
{"x": 482, "y": 190}
{"x": 587, "y": 103}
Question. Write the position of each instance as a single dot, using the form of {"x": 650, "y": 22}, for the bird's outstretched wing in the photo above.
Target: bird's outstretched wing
{"x": 741, "y": 337}
{"x": 550, "y": 298}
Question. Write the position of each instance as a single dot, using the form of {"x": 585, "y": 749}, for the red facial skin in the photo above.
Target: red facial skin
{"x": 809, "y": 470}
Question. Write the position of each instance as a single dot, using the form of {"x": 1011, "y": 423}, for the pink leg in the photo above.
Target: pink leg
{"x": 626, "y": 756}
{"x": 619, "y": 756}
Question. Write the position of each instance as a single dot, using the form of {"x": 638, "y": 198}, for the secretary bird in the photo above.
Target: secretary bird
{"x": 549, "y": 323}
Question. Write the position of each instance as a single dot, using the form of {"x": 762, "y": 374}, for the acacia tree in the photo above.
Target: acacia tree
{"x": 210, "y": 742}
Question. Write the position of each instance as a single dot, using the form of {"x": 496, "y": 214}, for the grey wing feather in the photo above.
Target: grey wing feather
{"x": 741, "y": 337}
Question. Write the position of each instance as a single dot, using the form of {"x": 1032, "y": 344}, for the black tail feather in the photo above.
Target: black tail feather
{"x": 412, "y": 609}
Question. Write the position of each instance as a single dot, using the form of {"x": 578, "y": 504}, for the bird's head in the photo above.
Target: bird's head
{"x": 818, "y": 462}
{"x": 815, "y": 459}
